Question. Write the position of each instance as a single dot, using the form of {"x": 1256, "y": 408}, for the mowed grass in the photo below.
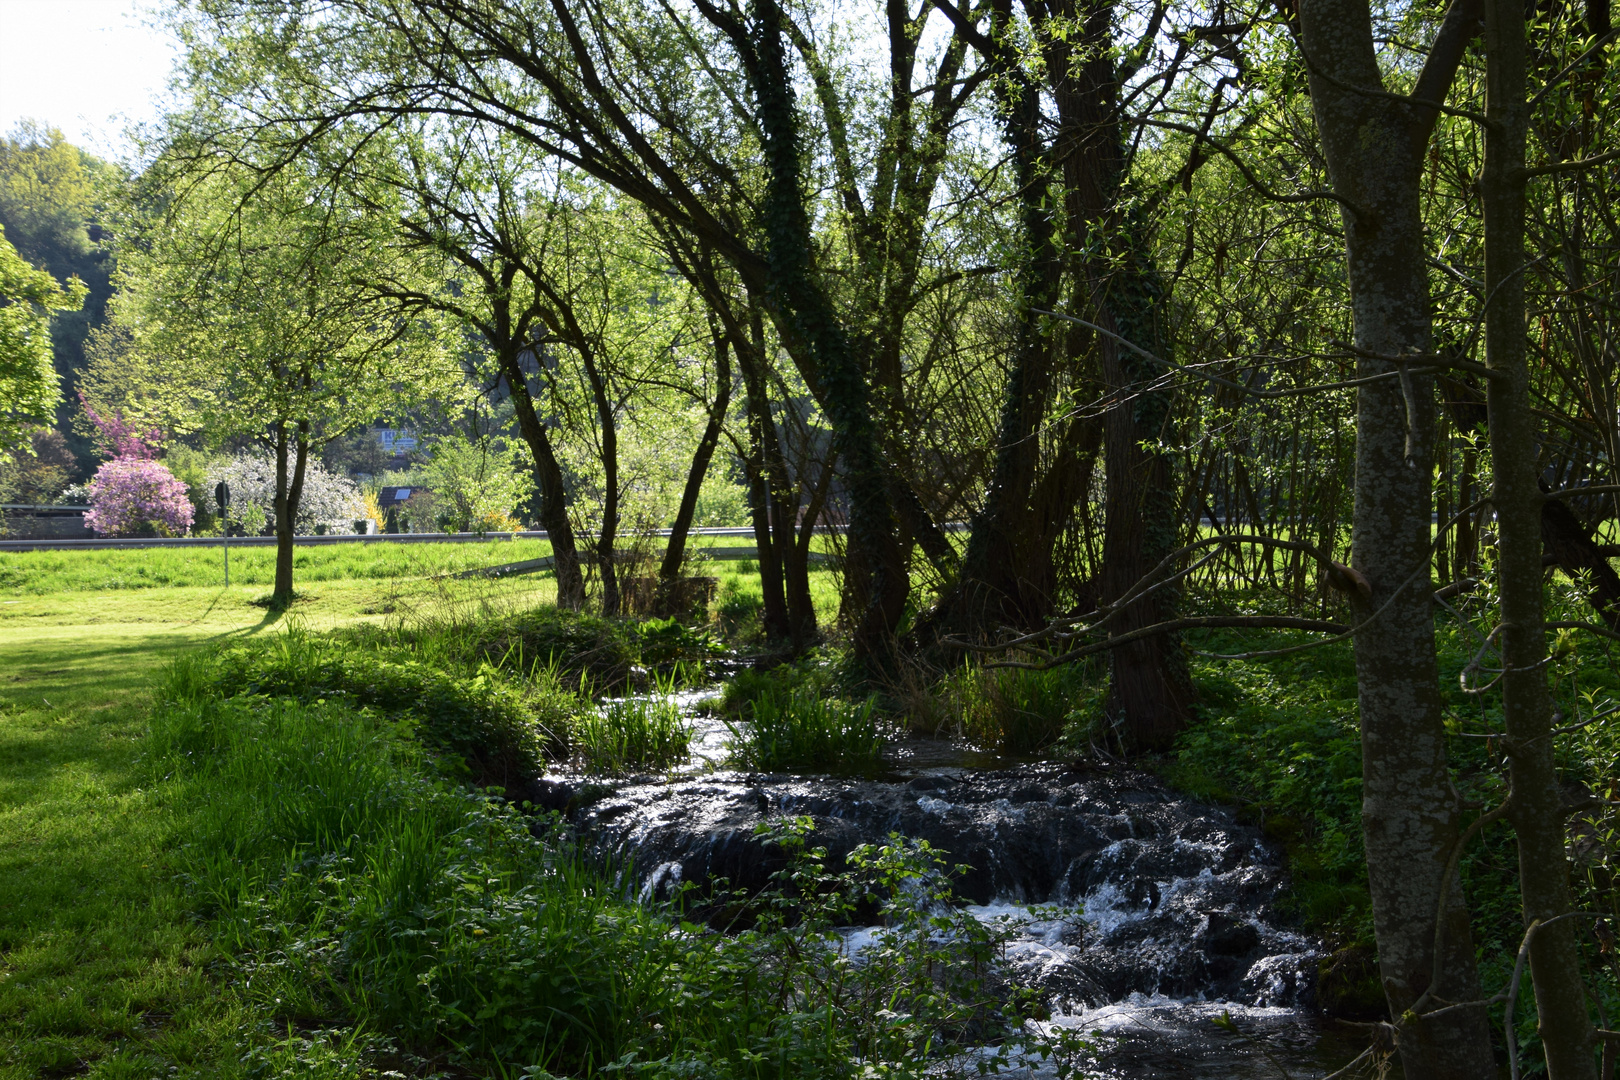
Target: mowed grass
{"x": 103, "y": 970}
{"x": 41, "y": 572}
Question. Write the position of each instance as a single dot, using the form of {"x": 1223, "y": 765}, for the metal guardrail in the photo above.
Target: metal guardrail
{"x": 103, "y": 543}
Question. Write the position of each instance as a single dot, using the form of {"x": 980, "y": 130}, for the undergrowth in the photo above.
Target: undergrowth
{"x": 1279, "y": 739}
{"x": 380, "y": 917}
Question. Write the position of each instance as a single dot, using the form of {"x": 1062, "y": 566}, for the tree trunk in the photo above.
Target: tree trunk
{"x": 675, "y": 553}
{"x": 798, "y": 300}
{"x": 611, "y": 603}
{"x": 1150, "y": 693}
{"x": 548, "y": 474}
{"x": 762, "y": 459}
{"x": 1374, "y": 148}
{"x": 998, "y": 585}
{"x": 1536, "y": 808}
{"x": 289, "y": 492}
{"x": 796, "y": 564}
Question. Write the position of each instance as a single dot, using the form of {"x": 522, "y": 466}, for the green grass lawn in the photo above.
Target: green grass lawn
{"x": 104, "y": 970}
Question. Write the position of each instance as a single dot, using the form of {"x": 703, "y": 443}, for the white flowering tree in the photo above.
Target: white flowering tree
{"x": 327, "y": 499}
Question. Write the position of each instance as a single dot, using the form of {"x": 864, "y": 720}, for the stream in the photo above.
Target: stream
{"x": 1141, "y": 917}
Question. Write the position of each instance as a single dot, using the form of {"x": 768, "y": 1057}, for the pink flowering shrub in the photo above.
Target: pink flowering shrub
{"x": 130, "y": 495}
{"x": 118, "y": 438}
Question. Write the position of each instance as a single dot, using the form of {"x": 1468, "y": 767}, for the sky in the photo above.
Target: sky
{"x": 89, "y": 67}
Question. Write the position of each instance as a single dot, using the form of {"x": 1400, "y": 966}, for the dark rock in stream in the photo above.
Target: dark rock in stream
{"x": 1156, "y": 894}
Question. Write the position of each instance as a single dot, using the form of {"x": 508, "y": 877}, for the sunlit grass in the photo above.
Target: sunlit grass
{"x": 805, "y": 730}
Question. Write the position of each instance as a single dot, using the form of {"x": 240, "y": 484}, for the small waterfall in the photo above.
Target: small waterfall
{"x": 1138, "y": 913}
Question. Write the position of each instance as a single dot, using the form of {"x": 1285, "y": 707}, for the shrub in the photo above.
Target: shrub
{"x": 805, "y": 730}
{"x": 328, "y": 499}
{"x": 134, "y": 495}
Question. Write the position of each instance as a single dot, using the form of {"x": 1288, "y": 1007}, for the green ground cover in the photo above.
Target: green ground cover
{"x": 42, "y": 572}
{"x": 298, "y": 881}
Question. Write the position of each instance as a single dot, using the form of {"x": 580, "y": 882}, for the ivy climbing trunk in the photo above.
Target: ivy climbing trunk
{"x": 1374, "y": 144}
{"x": 1000, "y": 581}
{"x": 878, "y": 593}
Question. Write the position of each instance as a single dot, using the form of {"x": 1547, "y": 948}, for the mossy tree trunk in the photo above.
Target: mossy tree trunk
{"x": 1374, "y": 144}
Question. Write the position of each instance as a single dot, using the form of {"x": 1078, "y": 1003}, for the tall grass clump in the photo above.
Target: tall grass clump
{"x": 636, "y": 733}
{"x": 1018, "y": 710}
{"x": 803, "y": 730}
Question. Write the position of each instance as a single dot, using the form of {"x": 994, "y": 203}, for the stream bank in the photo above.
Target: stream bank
{"x": 1143, "y": 919}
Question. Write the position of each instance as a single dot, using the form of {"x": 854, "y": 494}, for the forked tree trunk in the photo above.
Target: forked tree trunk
{"x": 1374, "y": 145}
{"x": 1536, "y": 809}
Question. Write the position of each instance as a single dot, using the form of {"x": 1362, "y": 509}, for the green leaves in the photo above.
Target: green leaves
{"x": 28, "y": 386}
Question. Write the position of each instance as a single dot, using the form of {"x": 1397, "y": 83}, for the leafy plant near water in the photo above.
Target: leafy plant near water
{"x": 636, "y": 733}
{"x": 1280, "y": 739}
{"x": 803, "y": 730}
{"x": 1018, "y": 710}
{"x": 380, "y": 919}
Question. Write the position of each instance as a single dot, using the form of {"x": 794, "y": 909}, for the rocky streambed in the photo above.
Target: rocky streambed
{"x": 1136, "y": 912}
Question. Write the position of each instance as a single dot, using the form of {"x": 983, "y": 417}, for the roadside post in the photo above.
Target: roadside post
{"x": 222, "y": 495}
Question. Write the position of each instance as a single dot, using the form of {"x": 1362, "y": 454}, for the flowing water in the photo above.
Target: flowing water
{"x": 1139, "y": 915}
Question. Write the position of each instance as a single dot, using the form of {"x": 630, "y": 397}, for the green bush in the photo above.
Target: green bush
{"x": 804, "y": 730}
{"x": 497, "y": 732}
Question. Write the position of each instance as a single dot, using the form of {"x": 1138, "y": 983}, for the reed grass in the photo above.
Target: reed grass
{"x": 802, "y": 730}
{"x": 635, "y": 734}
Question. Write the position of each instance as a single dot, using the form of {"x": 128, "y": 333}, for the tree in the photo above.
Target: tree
{"x": 1374, "y": 140}
{"x": 1535, "y": 803}
{"x": 261, "y": 298}
{"x": 51, "y": 204}
{"x": 29, "y": 390}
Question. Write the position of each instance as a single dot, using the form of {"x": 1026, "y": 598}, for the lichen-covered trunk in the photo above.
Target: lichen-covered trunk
{"x": 1537, "y": 804}
{"x": 1410, "y": 810}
